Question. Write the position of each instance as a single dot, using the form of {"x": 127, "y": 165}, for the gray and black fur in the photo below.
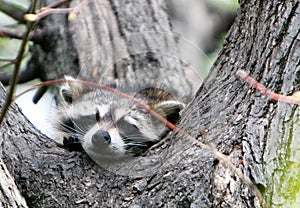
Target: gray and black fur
{"x": 108, "y": 127}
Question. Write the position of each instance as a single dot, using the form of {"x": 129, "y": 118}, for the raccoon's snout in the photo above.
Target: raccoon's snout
{"x": 100, "y": 137}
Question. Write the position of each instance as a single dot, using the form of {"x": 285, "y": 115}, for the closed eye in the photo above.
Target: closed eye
{"x": 127, "y": 128}
{"x": 135, "y": 126}
{"x": 97, "y": 115}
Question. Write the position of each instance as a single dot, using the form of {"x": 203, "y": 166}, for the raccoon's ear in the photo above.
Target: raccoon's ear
{"x": 170, "y": 109}
{"x": 70, "y": 90}
{"x": 65, "y": 90}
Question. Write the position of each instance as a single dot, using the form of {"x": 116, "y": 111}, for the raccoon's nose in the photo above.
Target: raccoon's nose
{"x": 101, "y": 135}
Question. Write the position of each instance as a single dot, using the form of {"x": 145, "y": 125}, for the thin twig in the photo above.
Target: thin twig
{"x": 34, "y": 17}
{"x": 11, "y": 33}
{"x": 35, "y": 36}
{"x": 17, "y": 67}
{"x": 7, "y": 60}
{"x": 45, "y": 12}
{"x": 267, "y": 92}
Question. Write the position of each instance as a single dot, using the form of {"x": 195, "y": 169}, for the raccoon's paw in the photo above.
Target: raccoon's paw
{"x": 72, "y": 143}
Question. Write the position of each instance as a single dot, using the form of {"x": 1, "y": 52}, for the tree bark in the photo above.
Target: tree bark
{"x": 10, "y": 195}
{"x": 258, "y": 135}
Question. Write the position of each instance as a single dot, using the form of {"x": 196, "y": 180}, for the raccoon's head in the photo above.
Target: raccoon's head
{"x": 109, "y": 127}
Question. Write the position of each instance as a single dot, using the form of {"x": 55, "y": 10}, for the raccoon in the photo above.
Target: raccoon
{"x": 111, "y": 128}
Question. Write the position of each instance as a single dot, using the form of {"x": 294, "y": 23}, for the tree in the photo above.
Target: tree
{"x": 258, "y": 135}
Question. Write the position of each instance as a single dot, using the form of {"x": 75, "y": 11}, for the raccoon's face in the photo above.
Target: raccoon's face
{"x": 109, "y": 127}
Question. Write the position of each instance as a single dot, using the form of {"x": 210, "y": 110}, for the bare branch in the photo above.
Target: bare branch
{"x": 11, "y": 33}
{"x": 36, "y": 36}
{"x": 7, "y": 60}
{"x": 45, "y": 12}
{"x": 25, "y": 76}
{"x": 18, "y": 62}
{"x": 267, "y": 92}
{"x": 13, "y": 10}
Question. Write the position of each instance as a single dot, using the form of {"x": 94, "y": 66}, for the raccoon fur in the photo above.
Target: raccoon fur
{"x": 109, "y": 127}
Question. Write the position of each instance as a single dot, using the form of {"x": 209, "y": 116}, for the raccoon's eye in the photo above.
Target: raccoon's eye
{"x": 97, "y": 115}
{"x": 66, "y": 95}
{"x": 127, "y": 127}
{"x": 135, "y": 126}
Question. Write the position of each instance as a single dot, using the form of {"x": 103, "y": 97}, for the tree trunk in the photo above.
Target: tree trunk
{"x": 259, "y": 136}
{"x": 10, "y": 195}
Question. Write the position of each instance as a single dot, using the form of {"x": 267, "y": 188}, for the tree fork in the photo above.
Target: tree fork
{"x": 255, "y": 132}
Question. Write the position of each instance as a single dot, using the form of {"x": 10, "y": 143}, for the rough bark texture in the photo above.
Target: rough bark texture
{"x": 122, "y": 42}
{"x": 258, "y": 132}
{"x": 10, "y": 195}
{"x": 259, "y": 135}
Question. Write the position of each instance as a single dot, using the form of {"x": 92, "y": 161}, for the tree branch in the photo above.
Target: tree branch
{"x": 11, "y": 33}
{"x": 37, "y": 36}
{"x": 9, "y": 190}
{"x": 17, "y": 66}
{"x": 15, "y": 11}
